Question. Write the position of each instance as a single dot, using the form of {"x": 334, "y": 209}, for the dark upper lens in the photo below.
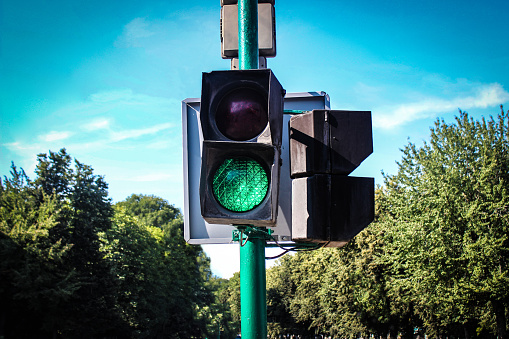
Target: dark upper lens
{"x": 242, "y": 114}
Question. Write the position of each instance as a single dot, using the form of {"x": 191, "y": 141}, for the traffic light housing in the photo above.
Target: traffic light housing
{"x": 241, "y": 116}
{"x": 328, "y": 206}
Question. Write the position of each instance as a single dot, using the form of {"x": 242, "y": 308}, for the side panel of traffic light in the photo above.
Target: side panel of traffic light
{"x": 241, "y": 116}
{"x": 331, "y": 208}
{"x": 328, "y": 206}
{"x": 331, "y": 142}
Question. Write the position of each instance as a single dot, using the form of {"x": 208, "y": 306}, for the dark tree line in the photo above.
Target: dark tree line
{"x": 72, "y": 265}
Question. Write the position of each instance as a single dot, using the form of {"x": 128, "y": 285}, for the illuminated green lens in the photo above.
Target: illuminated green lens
{"x": 240, "y": 184}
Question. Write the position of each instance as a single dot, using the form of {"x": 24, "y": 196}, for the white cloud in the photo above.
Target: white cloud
{"x": 111, "y": 96}
{"x": 112, "y": 110}
{"x": 135, "y": 133}
{"x": 108, "y": 100}
{"x": 161, "y": 37}
{"x": 97, "y": 125}
{"x": 135, "y": 31}
{"x": 55, "y": 136}
{"x": 107, "y": 121}
{"x": 17, "y": 146}
{"x": 483, "y": 96}
{"x": 124, "y": 97}
{"x": 119, "y": 103}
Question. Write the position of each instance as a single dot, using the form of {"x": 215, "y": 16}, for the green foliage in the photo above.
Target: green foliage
{"x": 223, "y": 314}
{"x": 33, "y": 279}
{"x": 151, "y": 210}
{"x": 161, "y": 283}
{"x": 435, "y": 259}
{"x": 448, "y": 224}
{"x": 74, "y": 266}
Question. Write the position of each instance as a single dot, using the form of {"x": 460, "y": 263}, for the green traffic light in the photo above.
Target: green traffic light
{"x": 240, "y": 184}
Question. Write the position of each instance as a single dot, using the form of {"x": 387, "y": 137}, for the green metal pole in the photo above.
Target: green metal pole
{"x": 248, "y": 34}
{"x": 253, "y": 299}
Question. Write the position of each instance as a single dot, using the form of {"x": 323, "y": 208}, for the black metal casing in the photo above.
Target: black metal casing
{"x": 325, "y": 146}
{"x": 265, "y": 147}
{"x": 332, "y": 142}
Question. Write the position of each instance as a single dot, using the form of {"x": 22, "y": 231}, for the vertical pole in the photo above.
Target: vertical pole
{"x": 253, "y": 299}
{"x": 248, "y": 34}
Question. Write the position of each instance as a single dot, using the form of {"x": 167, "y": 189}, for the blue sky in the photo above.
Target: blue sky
{"x": 105, "y": 79}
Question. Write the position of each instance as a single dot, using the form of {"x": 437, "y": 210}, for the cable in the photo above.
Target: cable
{"x": 242, "y": 237}
{"x": 295, "y": 248}
{"x": 278, "y": 256}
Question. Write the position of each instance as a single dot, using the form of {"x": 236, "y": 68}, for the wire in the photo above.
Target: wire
{"x": 278, "y": 256}
{"x": 314, "y": 248}
{"x": 296, "y": 248}
{"x": 242, "y": 237}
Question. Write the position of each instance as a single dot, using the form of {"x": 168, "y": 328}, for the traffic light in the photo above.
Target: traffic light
{"x": 241, "y": 117}
{"x": 328, "y": 206}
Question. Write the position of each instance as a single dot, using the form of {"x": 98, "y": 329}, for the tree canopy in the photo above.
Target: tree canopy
{"x": 434, "y": 262}
{"x": 72, "y": 265}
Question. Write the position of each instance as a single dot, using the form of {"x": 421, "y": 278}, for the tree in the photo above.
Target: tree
{"x": 151, "y": 210}
{"x": 222, "y": 316}
{"x": 300, "y": 302}
{"x": 447, "y": 218}
{"x": 33, "y": 281}
{"x": 74, "y": 266}
{"x": 434, "y": 260}
{"x": 162, "y": 283}
{"x": 54, "y": 276}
